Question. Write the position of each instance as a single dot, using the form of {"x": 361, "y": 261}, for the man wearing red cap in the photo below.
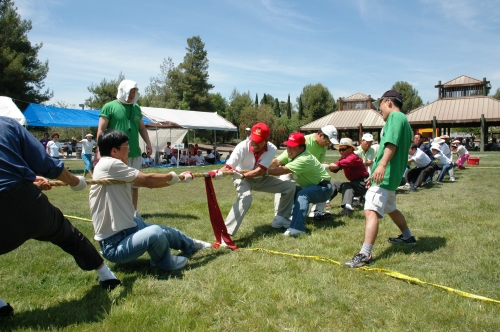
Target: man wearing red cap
{"x": 313, "y": 181}
{"x": 255, "y": 154}
{"x": 388, "y": 169}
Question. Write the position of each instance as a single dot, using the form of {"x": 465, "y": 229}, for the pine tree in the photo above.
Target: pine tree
{"x": 256, "y": 100}
{"x": 289, "y": 108}
{"x": 21, "y": 73}
{"x": 301, "y": 108}
{"x": 276, "y": 108}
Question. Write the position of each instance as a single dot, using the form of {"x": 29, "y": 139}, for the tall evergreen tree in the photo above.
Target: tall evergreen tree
{"x": 256, "y": 100}
{"x": 21, "y": 73}
{"x": 301, "y": 108}
{"x": 276, "y": 108}
{"x": 191, "y": 76}
{"x": 264, "y": 100}
{"x": 289, "y": 108}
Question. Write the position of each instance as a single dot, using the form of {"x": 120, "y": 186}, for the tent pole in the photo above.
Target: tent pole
{"x": 157, "y": 153}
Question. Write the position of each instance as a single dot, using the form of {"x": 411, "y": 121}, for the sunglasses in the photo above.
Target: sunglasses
{"x": 343, "y": 149}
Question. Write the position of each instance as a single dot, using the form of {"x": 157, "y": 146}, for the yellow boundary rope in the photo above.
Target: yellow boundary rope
{"x": 389, "y": 273}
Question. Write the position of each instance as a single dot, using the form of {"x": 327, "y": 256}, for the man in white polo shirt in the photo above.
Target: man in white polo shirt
{"x": 255, "y": 154}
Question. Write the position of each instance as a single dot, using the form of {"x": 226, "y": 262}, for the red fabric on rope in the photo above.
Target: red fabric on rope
{"x": 220, "y": 230}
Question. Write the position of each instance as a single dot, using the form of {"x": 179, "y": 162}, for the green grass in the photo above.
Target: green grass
{"x": 456, "y": 225}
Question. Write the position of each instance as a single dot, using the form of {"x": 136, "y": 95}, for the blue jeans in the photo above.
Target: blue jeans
{"x": 132, "y": 243}
{"x": 310, "y": 194}
{"x": 445, "y": 169}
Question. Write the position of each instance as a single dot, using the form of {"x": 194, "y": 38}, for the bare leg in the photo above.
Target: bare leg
{"x": 371, "y": 226}
{"x": 399, "y": 220}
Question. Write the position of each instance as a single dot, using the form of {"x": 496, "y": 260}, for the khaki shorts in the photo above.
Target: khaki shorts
{"x": 135, "y": 162}
{"x": 380, "y": 200}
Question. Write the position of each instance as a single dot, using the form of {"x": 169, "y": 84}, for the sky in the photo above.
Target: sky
{"x": 275, "y": 47}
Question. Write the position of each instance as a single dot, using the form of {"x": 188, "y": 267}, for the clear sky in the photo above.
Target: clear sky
{"x": 269, "y": 46}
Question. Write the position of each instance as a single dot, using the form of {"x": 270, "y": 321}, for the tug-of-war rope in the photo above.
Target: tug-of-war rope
{"x": 220, "y": 232}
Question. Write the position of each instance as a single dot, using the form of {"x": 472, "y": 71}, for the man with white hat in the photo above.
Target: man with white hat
{"x": 248, "y": 131}
{"x": 445, "y": 149}
{"x": 443, "y": 162}
{"x": 317, "y": 144}
{"x": 366, "y": 152}
{"x": 88, "y": 144}
{"x": 354, "y": 170}
{"x": 125, "y": 114}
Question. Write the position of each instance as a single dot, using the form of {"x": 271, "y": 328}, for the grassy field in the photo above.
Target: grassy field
{"x": 456, "y": 226}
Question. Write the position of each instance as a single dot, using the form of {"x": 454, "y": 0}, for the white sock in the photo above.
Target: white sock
{"x": 2, "y": 303}
{"x": 348, "y": 206}
{"x": 104, "y": 273}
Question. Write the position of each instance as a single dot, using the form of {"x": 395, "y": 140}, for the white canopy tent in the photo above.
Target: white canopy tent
{"x": 10, "y": 110}
{"x": 161, "y": 134}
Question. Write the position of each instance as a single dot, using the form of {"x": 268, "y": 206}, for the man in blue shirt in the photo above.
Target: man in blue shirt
{"x": 27, "y": 212}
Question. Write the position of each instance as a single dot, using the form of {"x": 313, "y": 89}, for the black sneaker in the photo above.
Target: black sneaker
{"x": 359, "y": 260}
{"x": 321, "y": 215}
{"x": 345, "y": 212}
{"x": 409, "y": 241}
{"x": 413, "y": 187}
{"x": 110, "y": 284}
{"x": 6, "y": 311}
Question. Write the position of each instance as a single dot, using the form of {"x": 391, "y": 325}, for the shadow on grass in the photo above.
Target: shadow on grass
{"x": 425, "y": 244}
{"x": 142, "y": 266}
{"x": 94, "y": 306}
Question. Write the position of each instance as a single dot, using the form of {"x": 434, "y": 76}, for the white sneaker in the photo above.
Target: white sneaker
{"x": 293, "y": 232}
{"x": 280, "y": 222}
{"x": 452, "y": 179}
{"x": 200, "y": 245}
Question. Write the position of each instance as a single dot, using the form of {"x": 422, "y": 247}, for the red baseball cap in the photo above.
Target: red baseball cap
{"x": 295, "y": 139}
{"x": 260, "y": 132}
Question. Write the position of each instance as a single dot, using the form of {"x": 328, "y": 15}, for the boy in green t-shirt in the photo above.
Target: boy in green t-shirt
{"x": 388, "y": 170}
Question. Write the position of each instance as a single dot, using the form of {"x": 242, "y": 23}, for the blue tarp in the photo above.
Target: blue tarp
{"x": 49, "y": 116}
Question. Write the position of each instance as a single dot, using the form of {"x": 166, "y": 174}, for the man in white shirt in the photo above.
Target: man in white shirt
{"x": 199, "y": 159}
{"x": 366, "y": 152}
{"x": 120, "y": 231}
{"x": 425, "y": 167}
{"x": 255, "y": 154}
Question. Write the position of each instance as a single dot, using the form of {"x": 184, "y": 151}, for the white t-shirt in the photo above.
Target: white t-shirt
{"x": 445, "y": 149}
{"x": 200, "y": 160}
{"x": 173, "y": 160}
{"x": 243, "y": 159}
{"x": 441, "y": 159}
{"x": 111, "y": 205}
{"x": 87, "y": 146}
{"x": 461, "y": 150}
{"x": 53, "y": 148}
{"x": 184, "y": 158}
{"x": 420, "y": 158}
{"x": 168, "y": 151}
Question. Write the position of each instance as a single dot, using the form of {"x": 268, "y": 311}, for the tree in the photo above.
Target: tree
{"x": 191, "y": 77}
{"x": 21, "y": 73}
{"x": 237, "y": 102}
{"x": 276, "y": 108}
{"x": 183, "y": 104}
{"x": 219, "y": 103}
{"x": 264, "y": 100}
{"x": 256, "y": 100}
{"x": 317, "y": 101}
{"x": 497, "y": 94}
{"x": 158, "y": 93}
{"x": 289, "y": 108}
{"x": 250, "y": 115}
{"x": 103, "y": 93}
{"x": 301, "y": 109}
{"x": 411, "y": 100}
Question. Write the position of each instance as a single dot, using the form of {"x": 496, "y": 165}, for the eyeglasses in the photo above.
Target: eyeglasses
{"x": 343, "y": 149}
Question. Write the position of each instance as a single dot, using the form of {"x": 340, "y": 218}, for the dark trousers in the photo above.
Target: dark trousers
{"x": 349, "y": 190}
{"x": 26, "y": 213}
{"x": 417, "y": 175}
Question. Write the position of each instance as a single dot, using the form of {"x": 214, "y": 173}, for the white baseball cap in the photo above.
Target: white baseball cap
{"x": 331, "y": 132}
{"x": 367, "y": 137}
{"x": 435, "y": 146}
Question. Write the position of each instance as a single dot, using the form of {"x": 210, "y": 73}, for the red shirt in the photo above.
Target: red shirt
{"x": 353, "y": 166}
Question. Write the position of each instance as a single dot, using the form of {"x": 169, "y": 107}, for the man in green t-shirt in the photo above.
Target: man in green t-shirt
{"x": 388, "y": 170}
{"x": 124, "y": 114}
{"x": 313, "y": 181}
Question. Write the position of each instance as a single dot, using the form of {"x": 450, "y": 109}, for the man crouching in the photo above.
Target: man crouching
{"x": 119, "y": 229}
